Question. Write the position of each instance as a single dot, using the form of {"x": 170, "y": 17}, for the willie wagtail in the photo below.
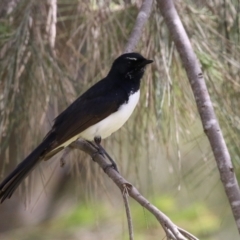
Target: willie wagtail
{"x": 95, "y": 115}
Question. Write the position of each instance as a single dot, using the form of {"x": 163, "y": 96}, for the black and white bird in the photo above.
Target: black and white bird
{"x": 95, "y": 115}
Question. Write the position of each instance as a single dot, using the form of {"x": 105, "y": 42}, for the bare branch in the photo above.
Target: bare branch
{"x": 139, "y": 24}
{"x": 51, "y": 22}
{"x": 169, "y": 227}
{"x": 128, "y": 212}
{"x": 205, "y": 108}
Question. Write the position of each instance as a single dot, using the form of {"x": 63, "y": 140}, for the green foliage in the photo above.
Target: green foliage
{"x": 81, "y": 215}
{"x": 197, "y": 218}
{"x": 5, "y": 30}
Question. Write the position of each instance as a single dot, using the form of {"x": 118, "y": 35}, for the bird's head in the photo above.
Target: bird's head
{"x": 130, "y": 65}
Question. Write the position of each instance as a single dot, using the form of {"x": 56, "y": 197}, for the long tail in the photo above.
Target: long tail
{"x": 12, "y": 181}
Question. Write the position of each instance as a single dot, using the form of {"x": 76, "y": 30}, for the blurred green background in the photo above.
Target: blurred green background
{"x": 162, "y": 149}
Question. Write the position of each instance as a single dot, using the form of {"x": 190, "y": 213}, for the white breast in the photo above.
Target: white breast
{"x": 110, "y": 124}
{"x": 113, "y": 122}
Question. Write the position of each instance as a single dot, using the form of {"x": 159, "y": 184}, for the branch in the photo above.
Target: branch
{"x": 142, "y": 18}
{"x": 128, "y": 212}
{"x": 51, "y": 22}
{"x": 169, "y": 227}
{"x": 205, "y": 108}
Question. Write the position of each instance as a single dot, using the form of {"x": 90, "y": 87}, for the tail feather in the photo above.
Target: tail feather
{"x": 13, "y": 180}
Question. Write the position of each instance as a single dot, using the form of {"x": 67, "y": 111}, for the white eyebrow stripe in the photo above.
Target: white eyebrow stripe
{"x": 134, "y": 59}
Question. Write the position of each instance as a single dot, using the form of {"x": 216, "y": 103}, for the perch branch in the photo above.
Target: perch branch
{"x": 169, "y": 227}
{"x": 205, "y": 108}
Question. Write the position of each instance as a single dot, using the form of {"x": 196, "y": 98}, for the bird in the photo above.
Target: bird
{"x": 93, "y": 116}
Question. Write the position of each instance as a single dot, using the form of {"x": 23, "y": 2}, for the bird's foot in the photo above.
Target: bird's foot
{"x": 98, "y": 151}
{"x": 102, "y": 151}
{"x": 112, "y": 165}
{"x": 97, "y": 140}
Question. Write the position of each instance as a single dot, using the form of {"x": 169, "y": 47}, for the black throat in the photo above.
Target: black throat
{"x": 129, "y": 82}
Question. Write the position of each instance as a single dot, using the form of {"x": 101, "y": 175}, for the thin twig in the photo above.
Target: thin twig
{"x": 66, "y": 151}
{"x": 128, "y": 212}
{"x": 186, "y": 234}
{"x": 166, "y": 223}
{"x": 205, "y": 108}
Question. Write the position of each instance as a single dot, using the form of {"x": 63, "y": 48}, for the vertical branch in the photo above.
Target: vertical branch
{"x": 51, "y": 22}
{"x": 205, "y": 108}
{"x": 136, "y": 33}
{"x": 128, "y": 212}
{"x": 142, "y": 18}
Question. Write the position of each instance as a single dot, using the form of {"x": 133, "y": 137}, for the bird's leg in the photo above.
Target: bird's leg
{"x": 93, "y": 145}
{"x": 98, "y": 150}
{"x": 97, "y": 140}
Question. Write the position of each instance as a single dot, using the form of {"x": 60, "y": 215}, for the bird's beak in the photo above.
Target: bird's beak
{"x": 148, "y": 61}
{"x": 145, "y": 62}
